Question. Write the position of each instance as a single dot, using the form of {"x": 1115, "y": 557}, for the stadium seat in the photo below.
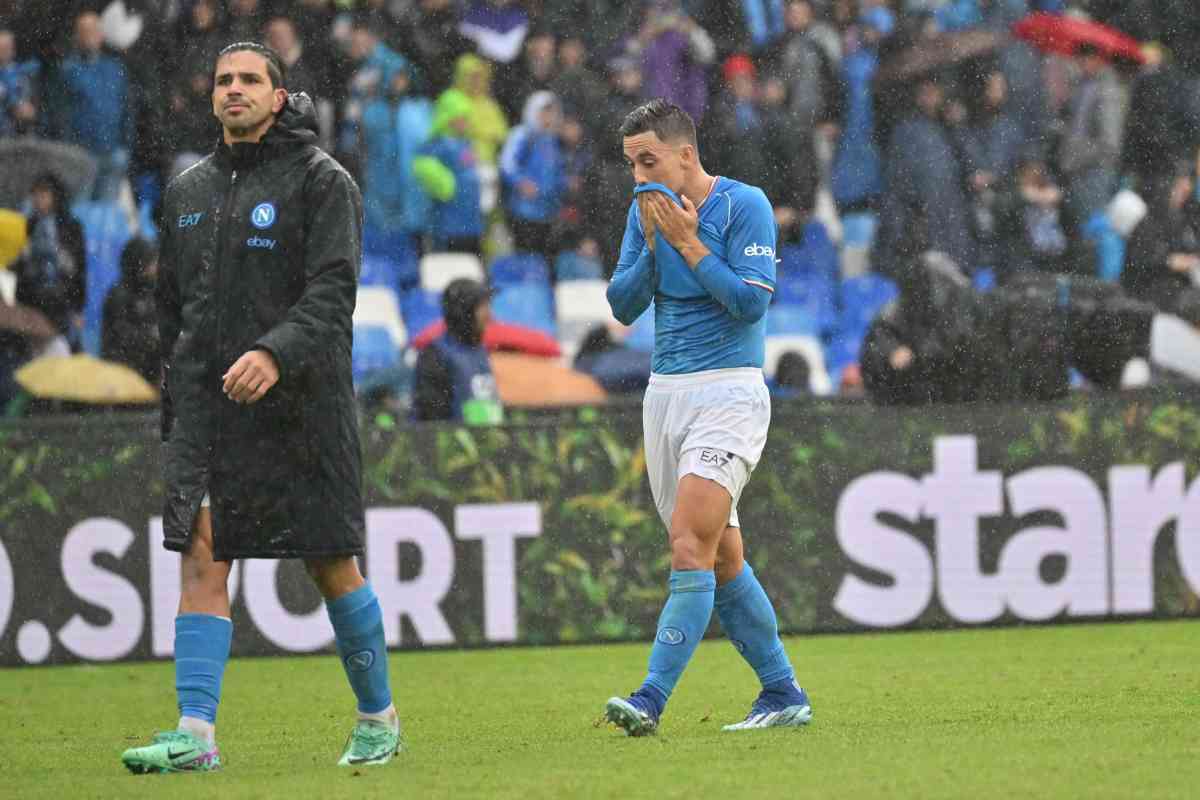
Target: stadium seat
{"x": 808, "y": 346}
{"x": 570, "y": 266}
{"x": 374, "y": 350}
{"x": 391, "y": 254}
{"x": 579, "y": 305}
{"x": 377, "y": 305}
{"x": 420, "y": 308}
{"x": 527, "y": 304}
{"x": 862, "y": 298}
{"x": 518, "y": 268}
{"x": 816, "y": 294}
{"x": 858, "y": 229}
{"x": 843, "y": 350}
{"x": 439, "y": 269}
{"x": 791, "y": 319}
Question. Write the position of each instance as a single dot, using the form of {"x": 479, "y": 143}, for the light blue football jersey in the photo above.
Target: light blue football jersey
{"x": 713, "y": 317}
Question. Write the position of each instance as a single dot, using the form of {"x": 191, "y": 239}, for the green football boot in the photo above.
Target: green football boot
{"x": 172, "y": 751}
{"x": 371, "y": 743}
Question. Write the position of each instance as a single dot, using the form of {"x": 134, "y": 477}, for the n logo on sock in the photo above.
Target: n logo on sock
{"x": 671, "y": 636}
{"x": 360, "y": 661}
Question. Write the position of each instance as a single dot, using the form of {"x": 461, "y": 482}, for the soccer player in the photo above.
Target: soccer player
{"x": 702, "y": 247}
{"x": 258, "y": 273}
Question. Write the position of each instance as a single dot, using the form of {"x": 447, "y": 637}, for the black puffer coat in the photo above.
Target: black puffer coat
{"x": 261, "y": 248}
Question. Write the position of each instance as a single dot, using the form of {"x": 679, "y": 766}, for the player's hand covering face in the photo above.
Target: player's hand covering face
{"x": 677, "y": 225}
{"x": 647, "y": 217}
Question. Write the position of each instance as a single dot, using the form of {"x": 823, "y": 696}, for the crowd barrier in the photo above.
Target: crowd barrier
{"x": 858, "y": 518}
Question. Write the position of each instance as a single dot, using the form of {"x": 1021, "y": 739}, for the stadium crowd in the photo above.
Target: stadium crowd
{"x": 487, "y": 127}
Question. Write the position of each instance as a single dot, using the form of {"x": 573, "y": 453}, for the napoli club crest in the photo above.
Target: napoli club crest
{"x": 263, "y": 215}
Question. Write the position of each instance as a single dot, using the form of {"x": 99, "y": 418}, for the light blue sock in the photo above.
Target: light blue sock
{"x": 201, "y": 650}
{"x": 358, "y": 627}
{"x": 681, "y": 626}
{"x": 748, "y": 619}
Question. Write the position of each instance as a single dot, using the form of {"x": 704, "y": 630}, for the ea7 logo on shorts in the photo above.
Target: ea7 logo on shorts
{"x": 672, "y": 636}
{"x": 757, "y": 249}
{"x": 714, "y": 457}
{"x": 263, "y": 216}
{"x": 360, "y": 661}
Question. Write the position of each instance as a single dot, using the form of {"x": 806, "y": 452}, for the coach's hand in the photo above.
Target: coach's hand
{"x": 251, "y": 377}
{"x": 678, "y": 226}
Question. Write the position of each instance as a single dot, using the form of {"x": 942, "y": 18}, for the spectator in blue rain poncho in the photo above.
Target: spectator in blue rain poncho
{"x": 395, "y": 125}
{"x": 532, "y": 169}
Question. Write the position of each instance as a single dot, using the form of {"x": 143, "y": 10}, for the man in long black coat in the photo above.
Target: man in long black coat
{"x": 261, "y": 251}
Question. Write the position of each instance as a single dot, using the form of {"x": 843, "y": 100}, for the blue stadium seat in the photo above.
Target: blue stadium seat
{"x": 815, "y": 255}
{"x": 420, "y": 308}
{"x": 862, "y": 298}
{"x": 373, "y": 350}
{"x": 106, "y": 231}
{"x": 378, "y": 271}
{"x": 528, "y": 304}
{"x": 518, "y": 268}
{"x": 790, "y": 319}
{"x": 816, "y": 294}
{"x": 571, "y": 266}
{"x": 392, "y": 254}
{"x": 858, "y": 229}
{"x": 841, "y": 351}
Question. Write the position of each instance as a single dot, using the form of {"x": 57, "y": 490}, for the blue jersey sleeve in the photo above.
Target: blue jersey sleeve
{"x": 632, "y": 286}
{"x": 744, "y": 281}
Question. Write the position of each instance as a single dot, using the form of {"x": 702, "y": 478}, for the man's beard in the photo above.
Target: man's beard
{"x": 241, "y": 129}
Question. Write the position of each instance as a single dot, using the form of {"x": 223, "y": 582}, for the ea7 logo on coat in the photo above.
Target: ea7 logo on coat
{"x": 263, "y": 215}
{"x": 190, "y": 220}
{"x": 757, "y": 249}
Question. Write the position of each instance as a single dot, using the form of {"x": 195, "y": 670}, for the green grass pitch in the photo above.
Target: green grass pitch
{"x": 1083, "y": 711}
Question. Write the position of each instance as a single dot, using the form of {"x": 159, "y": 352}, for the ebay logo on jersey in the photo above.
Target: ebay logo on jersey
{"x": 757, "y": 249}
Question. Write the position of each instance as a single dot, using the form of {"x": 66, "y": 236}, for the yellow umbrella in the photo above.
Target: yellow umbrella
{"x": 12, "y": 236}
{"x": 84, "y": 379}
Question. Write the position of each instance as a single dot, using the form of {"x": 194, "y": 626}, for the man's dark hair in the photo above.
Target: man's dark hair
{"x": 275, "y": 68}
{"x": 668, "y": 121}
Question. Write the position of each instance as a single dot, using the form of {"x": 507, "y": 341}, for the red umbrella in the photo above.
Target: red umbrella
{"x": 1064, "y": 35}
{"x": 499, "y": 336}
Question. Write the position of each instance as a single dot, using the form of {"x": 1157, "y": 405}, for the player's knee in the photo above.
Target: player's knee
{"x": 690, "y": 551}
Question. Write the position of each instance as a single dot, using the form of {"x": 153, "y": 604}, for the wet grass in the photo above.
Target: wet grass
{"x": 1090, "y": 711}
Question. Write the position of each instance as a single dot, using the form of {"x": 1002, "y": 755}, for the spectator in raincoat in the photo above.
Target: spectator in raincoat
{"x": 395, "y": 126}
{"x": 488, "y": 126}
{"x": 447, "y": 168}
{"x": 532, "y": 170}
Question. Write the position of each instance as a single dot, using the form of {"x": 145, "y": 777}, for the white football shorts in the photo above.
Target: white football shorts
{"x": 712, "y": 424}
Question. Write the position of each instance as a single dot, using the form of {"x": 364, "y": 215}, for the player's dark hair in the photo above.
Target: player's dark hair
{"x": 668, "y": 121}
{"x": 275, "y": 68}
